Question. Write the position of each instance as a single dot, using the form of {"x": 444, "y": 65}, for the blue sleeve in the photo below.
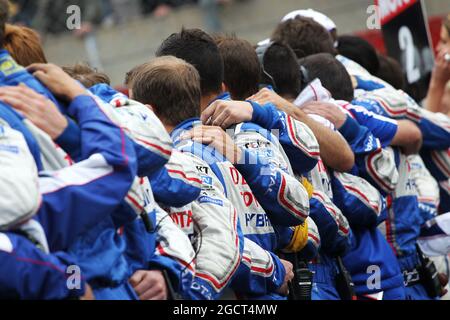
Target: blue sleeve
{"x": 334, "y": 235}
{"x": 361, "y": 204}
{"x": 180, "y": 276}
{"x": 77, "y": 197}
{"x": 174, "y": 189}
{"x": 30, "y": 274}
{"x": 100, "y": 135}
{"x": 270, "y": 186}
{"x": 312, "y": 247}
{"x": 14, "y": 120}
{"x": 260, "y": 272}
{"x": 359, "y": 138}
{"x": 140, "y": 243}
{"x": 435, "y": 136}
{"x": 302, "y": 147}
{"x": 105, "y": 92}
{"x": 381, "y": 127}
{"x": 367, "y": 85}
{"x": 70, "y": 140}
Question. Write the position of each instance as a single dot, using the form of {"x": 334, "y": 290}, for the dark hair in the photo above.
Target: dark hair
{"x": 282, "y": 65}
{"x": 391, "y": 71}
{"x": 360, "y": 51}
{"x": 4, "y": 16}
{"x": 171, "y": 86}
{"x": 87, "y": 75}
{"x": 332, "y": 74}
{"x": 304, "y": 36}
{"x": 199, "y": 49}
{"x": 241, "y": 66}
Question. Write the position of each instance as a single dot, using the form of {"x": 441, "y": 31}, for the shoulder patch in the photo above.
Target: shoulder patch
{"x": 206, "y": 199}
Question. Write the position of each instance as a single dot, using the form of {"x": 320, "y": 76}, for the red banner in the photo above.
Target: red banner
{"x": 389, "y": 9}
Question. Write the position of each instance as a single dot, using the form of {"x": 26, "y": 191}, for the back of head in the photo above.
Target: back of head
{"x": 281, "y": 64}
{"x": 241, "y": 66}
{"x": 24, "y": 45}
{"x": 4, "y": 16}
{"x": 360, "y": 51}
{"x": 332, "y": 74}
{"x": 391, "y": 71}
{"x": 171, "y": 86}
{"x": 318, "y": 17}
{"x": 86, "y": 75}
{"x": 199, "y": 49}
{"x": 304, "y": 36}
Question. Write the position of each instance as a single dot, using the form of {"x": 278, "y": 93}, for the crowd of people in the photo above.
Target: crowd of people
{"x": 285, "y": 170}
{"x": 46, "y": 15}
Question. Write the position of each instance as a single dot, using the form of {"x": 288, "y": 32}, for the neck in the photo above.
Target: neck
{"x": 206, "y": 100}
{"x": 169, "y": 128}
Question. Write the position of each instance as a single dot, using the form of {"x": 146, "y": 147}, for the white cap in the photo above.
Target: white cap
{"x": 317, "y": 16}
{"x": 264, "y": 42}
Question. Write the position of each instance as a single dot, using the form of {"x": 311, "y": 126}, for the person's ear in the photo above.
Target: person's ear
{"x": 150, "y": 107}
{"x": 224, "y": 87}
{"x": 354, "y": 81}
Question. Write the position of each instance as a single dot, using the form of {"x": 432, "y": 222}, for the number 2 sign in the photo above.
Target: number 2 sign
{"x": 407, "y": 39}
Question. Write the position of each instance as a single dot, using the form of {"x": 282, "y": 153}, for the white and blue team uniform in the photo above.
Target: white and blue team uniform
{"x": 402, "y": 228}
{"x": 333, "y": 228}
{"x": 102, "y": 179}
{"x": 173, "y": 184}
{"x": 260, "y": 271}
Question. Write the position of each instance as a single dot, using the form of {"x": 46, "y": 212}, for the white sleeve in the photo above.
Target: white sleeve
{"x": 19, "y": 196}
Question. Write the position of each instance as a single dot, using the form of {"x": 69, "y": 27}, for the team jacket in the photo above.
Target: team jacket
{"x": 402, "y": 227}
{"x": 364, "y": 205}
{"x": 435, "y": 152}
{"x": 12, "y": 74}
{"x": 174, "y": 253}
{"x": 94, "y": 186}
{"x": 19, "y": 201}
{"x": 164, "y": 246}
{"x": 374, "y": 162}
{"x": 332, "y": 225}
{"x": 267, "y": 168}
{"x": 20, "y": 196}
{"x": 29, "y": 273}
{"x": 404, "y": 218}
{"x": 258, "y": 259}
{"x": 360, "y": 202}
{"x": 102, "y": 254}
{"x": 366, "y": 132}
{"x": 253, "y": 220}
{"x": 368, "y": 246}
{"x": 176, "y": 184}
{"x": 434, "y": 128}
{"x": 427, "y": 188}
